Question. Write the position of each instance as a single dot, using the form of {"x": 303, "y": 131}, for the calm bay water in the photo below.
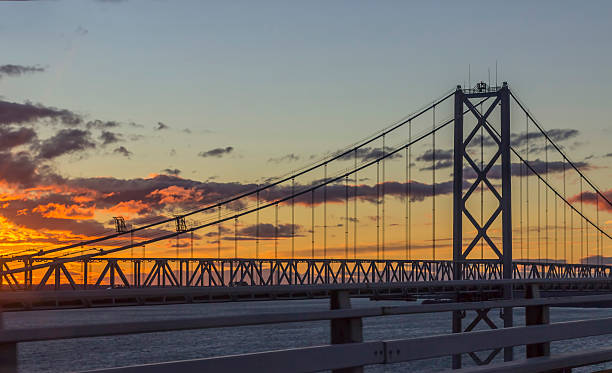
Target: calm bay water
{"x": 92, "y": 353}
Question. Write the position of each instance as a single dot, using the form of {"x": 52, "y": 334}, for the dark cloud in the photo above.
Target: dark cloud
{"x": 11, "y": 137}
{"x": 270, "y": 230}
{"x": 369, "y": 154}
{"x": 108, "y": 137}
{"x": 285, "y": 158}
{"x": 487, "y": 141}
{"x": 444, "y": 159}
{"x": 557, "y": 135}
{"x": 65, "y": 141}
{"x": 101, "y": 125}
{"x": 161, "y": 126}
{"x": 217, "y": 152}
{"x": 17, "y": 70}
{"x": 171, "y": 171}
{"x": 593, "y": 199}
{"x": 18, "y": 168}
{"x": 608, "y": 155}
{"x": 123, "y": 151}
{"x": 439, "y": 165}
{"x": 14, "y": 113}
{"x": 538, "y": 165}
{"x": 441, "y": 155}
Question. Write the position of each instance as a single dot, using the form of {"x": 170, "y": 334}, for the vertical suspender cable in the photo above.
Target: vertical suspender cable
{"x": 276, "y": 231}
{"x": 378, "y": 210}
{"x": 521, "y": 208}
{"x": 346, "y": 216}
{"x": 581, "y": 225}
{"x": 406, "y": 186}
{"x": 546, "y": 197}
{"x": 236, "y": 238}
{"x": 383, "y": 199}
{"x": 555, "y": 228}
{"x": 586, "y": 238}
{"x": 312, "y": 217}
{"x": 355, "y": 210}
{"x": 409, "y": 204}
{"x": 191, "y": 251}
{"x": 292, "y": 218}
{"x": 572, "y": 235}
{"x": 564, "y": 219}
{"x": 219, "y": 235}
{"x": 527, "y": 184}
{"x": 257, "y": 229}
{"x": 325, "y": 212}
{"x": 597, "y": 234}
{"x": 539, "y": 225}
{"x": 433, "y": 189}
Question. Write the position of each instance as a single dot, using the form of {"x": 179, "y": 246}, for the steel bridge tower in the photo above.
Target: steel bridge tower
{"x": 500, "y": 96}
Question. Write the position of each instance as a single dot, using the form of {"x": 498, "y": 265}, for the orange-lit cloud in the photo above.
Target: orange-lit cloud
{"x": 56, "y": 210}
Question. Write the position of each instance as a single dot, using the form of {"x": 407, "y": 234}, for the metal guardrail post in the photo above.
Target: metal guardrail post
{"x": 8, "y": 353}
{"x": 345, "y": 330}
{"x": 536, "y": 315}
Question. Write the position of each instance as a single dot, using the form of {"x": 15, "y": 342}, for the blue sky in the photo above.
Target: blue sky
{"x": 259, "y": 81}
{"x": 258, "y": 77}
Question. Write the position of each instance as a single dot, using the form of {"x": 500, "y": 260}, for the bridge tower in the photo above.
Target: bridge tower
{"x": 501, "y": 97}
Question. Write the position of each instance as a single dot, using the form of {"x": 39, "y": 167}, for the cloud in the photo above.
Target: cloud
{"x": 171, "y": 171}
{"x": 285, "y": 158}
{"x": 108, "y": 137}
{"x": 18, "y": 169}
{"x": 593, "y": 199}
{"x": 217, "y": 152}
{"x": 608, "y": 155}
{"x": 444, "y": 159}
{"x": 161, "y": 126}
{"x": 15, "y": 113}
{"x": 11, "y": 137}
{"x": 65, "y": 141}
{"x": 441, "y": 155}
{"x": 557, "y": 135}
{"x": 266, "y": 230}
{"x": 439, "y": 165}
{"x": 538, "y": 165}
{"x": 365, "y": 154}
{"x": 17, "y": 70}
{"x": 123, "y": 151}
{"x": 101, "y": 125}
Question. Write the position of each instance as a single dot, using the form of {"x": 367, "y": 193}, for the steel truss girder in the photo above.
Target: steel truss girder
{"x": 265, "y": 272}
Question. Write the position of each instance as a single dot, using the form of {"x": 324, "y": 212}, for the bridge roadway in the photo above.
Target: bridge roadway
{"x": 468, "y": 290}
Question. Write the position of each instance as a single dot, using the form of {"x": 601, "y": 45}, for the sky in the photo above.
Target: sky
{"x": 148, "y": 108}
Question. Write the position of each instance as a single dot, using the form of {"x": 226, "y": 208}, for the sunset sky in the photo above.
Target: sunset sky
{"x": 145, "y": 109}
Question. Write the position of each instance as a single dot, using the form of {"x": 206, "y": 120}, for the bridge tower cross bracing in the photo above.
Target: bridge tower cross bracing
{"x": 501, "y": 97}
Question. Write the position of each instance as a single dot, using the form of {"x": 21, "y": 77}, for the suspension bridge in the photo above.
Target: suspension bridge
{"x": 468, "y": 198}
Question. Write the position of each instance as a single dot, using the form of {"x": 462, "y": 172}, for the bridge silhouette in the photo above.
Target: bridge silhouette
{"x": 392, "y": 216}
{"x": 332, "y": 213}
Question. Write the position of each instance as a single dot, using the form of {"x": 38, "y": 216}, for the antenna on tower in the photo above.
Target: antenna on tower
{"x": 469, "y": 76}
{"x": 496, "y": 73}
